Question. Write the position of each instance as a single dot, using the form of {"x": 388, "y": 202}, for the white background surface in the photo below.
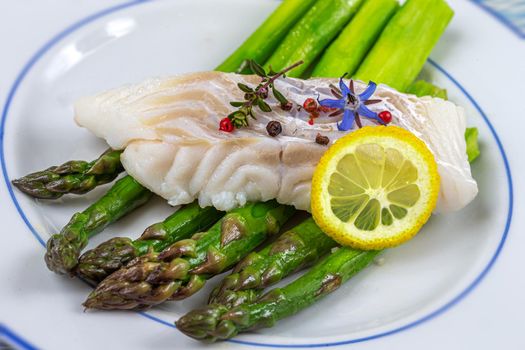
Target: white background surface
{"x": 493, "y": 315}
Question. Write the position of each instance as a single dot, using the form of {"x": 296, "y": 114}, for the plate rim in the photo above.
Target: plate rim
{"x": 47, "y": 46}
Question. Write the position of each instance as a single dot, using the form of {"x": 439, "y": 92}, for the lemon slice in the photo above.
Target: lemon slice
{"x": 375, "y": 188}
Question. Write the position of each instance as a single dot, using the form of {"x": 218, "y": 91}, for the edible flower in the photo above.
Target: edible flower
{"x": 352, "y": 105}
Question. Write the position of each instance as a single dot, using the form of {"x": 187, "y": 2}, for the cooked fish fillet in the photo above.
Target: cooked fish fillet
{"x": 169, "y": 130}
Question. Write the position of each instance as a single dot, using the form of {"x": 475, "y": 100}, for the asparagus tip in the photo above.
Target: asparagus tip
{"x": 142, "y": 283}
{"x": 206, "y": 324}
{"x": 34, "y": 189}
{"x": 61, "y": 255}
{"x": 98, "y": 263}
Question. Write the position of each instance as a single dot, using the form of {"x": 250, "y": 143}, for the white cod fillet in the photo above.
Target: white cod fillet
{"x": 169, "y": 130}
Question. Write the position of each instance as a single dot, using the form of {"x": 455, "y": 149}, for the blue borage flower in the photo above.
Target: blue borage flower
{"x": 352, "y": 105}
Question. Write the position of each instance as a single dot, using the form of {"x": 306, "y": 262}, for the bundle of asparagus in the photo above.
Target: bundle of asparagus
{"x": 309, "y": 37}
{"x": 295, "y": 249}
{"x": 221, "y": 322}
{"x": 98, "y": 263}
{"x": 182, "y": 269}
{"x": 164, "y": 263}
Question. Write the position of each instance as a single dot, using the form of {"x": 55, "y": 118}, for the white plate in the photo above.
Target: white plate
{"x": 413, "y": 284}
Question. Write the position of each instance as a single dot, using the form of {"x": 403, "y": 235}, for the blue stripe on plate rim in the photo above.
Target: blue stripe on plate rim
{"x": 511, "y": 13}
{"x": 12, "y": 339}
{"x": 71, "y": 29}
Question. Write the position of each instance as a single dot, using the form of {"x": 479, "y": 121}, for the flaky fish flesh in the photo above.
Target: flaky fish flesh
{"x": 168, "y": 128}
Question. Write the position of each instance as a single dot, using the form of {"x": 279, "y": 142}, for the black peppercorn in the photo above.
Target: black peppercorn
{"x": 322, "y": 140}
{"x": 274, "y": 128}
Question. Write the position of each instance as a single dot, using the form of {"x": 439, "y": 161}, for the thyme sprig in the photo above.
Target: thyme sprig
{"x": 257, "y": 96}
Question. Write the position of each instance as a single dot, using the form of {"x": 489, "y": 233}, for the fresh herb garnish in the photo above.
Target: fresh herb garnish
{"x": 257, "y": 96}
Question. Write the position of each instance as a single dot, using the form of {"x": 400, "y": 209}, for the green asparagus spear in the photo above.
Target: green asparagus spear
{"x": 423, "y": 88}
{"x": 308, "y": 38}
{"x": 300, "y": 247}
{"x": 220, "y": 322}
{"x": 76, "y": 176}
{"x": 63, "y": 249}
{"x": 182, "y": 269}
{"x": 98, "y": 263}
{"x": 405, "y": 44}
{"x": 347, "y": 51}
{"x": 471, "y": 136}
{"x": 260, "y": 45}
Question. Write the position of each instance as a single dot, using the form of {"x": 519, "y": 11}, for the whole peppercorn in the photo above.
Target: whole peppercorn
{"x": 322, "y": 140}
{"x": 287, "y": 106}
{"x": 310, "y": 105}
{"x": 226, "y": 125}
{"x": 274, "y": 128}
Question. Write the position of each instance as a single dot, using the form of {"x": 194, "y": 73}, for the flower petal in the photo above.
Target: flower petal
{"x": 348, "y": 121}
{"x": 370, "y": 89}
{"x": 344, "y": 89}
{"x": 365, "y": 112}
{"x": 340, "y": 104}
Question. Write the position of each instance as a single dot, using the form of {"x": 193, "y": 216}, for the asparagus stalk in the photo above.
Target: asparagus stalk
{"x": 98, "y": 263}
{"x": 347, "y": 51}
{"x": 471, "y": 136}
{"x": 260, "y": 45}
{"x": 423, "y": 88}
{"x": 308, "y": 38}
{"x": 405, "y": 44}
{"x": 220, "y": 322}
{"x": 63, "y": 249}
{"x": 76, "y": 176}
{"x": 182, "y": 269}
{"x": 298, "y": 248}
